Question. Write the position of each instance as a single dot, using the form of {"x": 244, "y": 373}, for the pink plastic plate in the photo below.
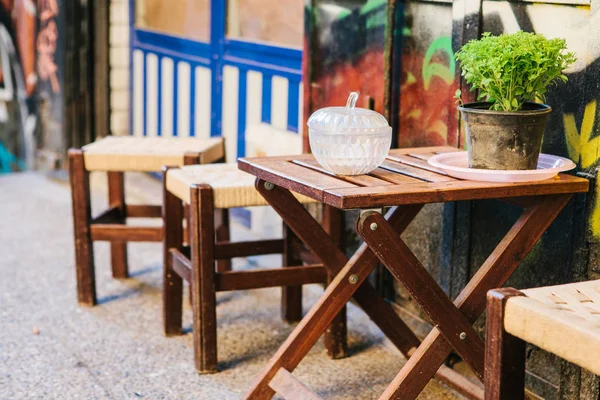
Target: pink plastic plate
{"x": 456, "y": 164}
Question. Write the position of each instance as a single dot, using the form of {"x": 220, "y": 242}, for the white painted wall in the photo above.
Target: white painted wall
{"x": 262, "y": 140}
{"x": 203, "y": 102}
{"x": 148, "y": 66}
{"x": 254, "y": 103}
{"x": 230, "y": 111}
{"x": 119, "y": 67}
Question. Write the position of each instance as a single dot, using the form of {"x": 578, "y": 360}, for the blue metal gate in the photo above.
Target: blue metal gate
{"x": 183, "y": 87}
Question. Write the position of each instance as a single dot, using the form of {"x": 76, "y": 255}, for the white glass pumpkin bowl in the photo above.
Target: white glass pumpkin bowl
{"x": 349, "y": 140}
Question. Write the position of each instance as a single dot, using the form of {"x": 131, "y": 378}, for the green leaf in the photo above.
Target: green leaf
{"x": 513, "y": 68}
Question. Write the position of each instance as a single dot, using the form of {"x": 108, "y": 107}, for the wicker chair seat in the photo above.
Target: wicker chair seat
{"x": 148, "y": 154}
{"x": 564, "y": 320}
{"x": 231, "y": 187}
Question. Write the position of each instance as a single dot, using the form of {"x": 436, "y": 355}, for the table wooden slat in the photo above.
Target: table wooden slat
{"x": 394, "y": 177}
{"x": 360, "y": 180}
{"x": 414, "y": 172}
{"x": 415, "y": 162}
{"x": 282, "y": 172}
{"x": 436, "y": 192}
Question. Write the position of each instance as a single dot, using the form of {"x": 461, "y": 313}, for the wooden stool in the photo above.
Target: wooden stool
{"x": 564, "y": 320}
{"x": 206, "y": 188}
{"x": 117, "y": 155}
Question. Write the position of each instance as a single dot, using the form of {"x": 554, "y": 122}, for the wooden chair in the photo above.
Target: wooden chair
{"x": 116, "y": 155}
{"x": 564, "y": 320}
{"x": 206, "y": 188}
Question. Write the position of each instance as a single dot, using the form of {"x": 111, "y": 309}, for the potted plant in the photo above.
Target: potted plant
{"x": 511, "y": 72}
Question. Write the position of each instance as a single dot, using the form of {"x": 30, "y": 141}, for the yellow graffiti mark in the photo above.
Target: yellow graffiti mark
{"x": 585, "y": 151}
{"x": 579, "y": 145}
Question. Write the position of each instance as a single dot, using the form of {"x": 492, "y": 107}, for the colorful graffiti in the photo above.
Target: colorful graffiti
{"x": 580, "y": 145}
{"x": 583, "y": 149}
{"x": 432, "y": 68}
{"x": 30, "y": 82}
{"x": 427, "y": 112}
{"x": 347, "y": 53}
{"x": 47, "y": 40}
{"x": 17, "y": 83}
{"x": 571, "y": 131}
{"x": 426, "y": 80}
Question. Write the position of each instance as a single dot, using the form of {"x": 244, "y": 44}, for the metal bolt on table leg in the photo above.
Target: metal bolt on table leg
{"x": 353, "y": 279}
{"x": 462, "y": 336}
{"x": 269, "y": 186}
{"x": 373, "y": 226}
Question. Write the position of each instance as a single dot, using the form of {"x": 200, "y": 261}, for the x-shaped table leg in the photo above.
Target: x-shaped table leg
{"x": 496, "y": 270}
{"x": 349, "y": 282}
{"x": 406, "y": 268}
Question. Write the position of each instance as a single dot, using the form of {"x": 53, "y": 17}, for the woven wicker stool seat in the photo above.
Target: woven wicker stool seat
{"x": 148, "y": 154}
{"x": 231, "y": 186}
{"x": 203, "y": 258}
{"x": 563, "y": 320}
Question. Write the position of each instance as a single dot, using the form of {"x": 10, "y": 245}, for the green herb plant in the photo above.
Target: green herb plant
{"x": 510, "y": 69}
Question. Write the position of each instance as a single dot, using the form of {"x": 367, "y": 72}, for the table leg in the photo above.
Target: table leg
{"x": 406, "y": 268}
{"x": 336, "y": 335}
{"x": 291, "y": 296}
{"x": 494, "y": 272}
{"x": 308, "y": 331}
{"x": 348, "y": 282}
{"x": 321, "y": 244}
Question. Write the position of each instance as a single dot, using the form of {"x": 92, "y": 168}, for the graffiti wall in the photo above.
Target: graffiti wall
{"x": 427, "y": 73}
{"x": 562, "y": 255}
{"x": 348, "y": 48}
{"x": 30, "y": 80}
{"x": 346, "y": 52}
{"x": 419, "y": 77}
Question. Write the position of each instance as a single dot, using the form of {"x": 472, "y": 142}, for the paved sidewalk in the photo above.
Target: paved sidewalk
{"x": 52, "y": 349}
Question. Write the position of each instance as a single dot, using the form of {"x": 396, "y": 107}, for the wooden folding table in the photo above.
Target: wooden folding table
{"x": 404, "y": 182}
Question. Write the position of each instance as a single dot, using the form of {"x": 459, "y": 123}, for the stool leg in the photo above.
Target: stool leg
{"x": 504, "y": 353}
{"x": 222, "y": 234}
{"x": 172, "y": 282}
{"x": 82, "y": 215}
{"x": 335, "y": 336}
{"x": 118, "y": 250}
{"x": 187, "y": 240}
{"x": 189, "y": 159}
{"x": 202, "y": 243}
{"x": 291, "y": 296}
